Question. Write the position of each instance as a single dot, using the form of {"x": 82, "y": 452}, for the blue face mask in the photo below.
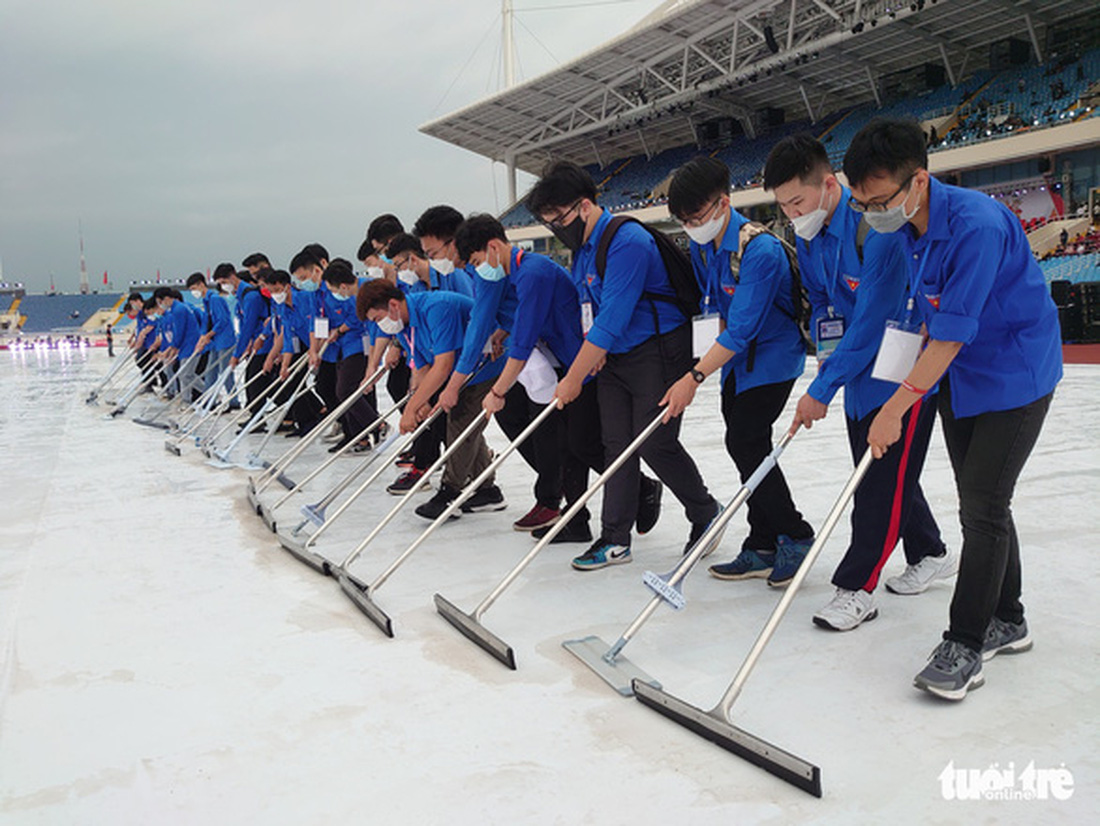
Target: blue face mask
{"x": 488, "y": 272}
{"x": 341, "y": 297}
{"x": 386, "y": 258}
{"x": 307, "y": 286}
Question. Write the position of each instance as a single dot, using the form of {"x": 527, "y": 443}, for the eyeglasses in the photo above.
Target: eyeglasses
{"x": 880, "y": 206}
{"x": 437, "y": 252}
{"x": 699, "y": 220}
{"x": 402, "y": 262}
{"x": 560, "y": 222}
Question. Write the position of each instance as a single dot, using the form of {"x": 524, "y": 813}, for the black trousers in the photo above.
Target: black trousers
{"x": 398, "y": 378}
{"x": 583, "y": 447}
{"x": 889, "y": 504}
{"x": 987, "y": 452}
{"x": 543, "y": 450}
{"x": 749, "y": 418}
{"x": 326, "y": 384}
{"x": 259, "y": 389}
{"x": 349, "y": 375}
{"x": 629, "y": 388}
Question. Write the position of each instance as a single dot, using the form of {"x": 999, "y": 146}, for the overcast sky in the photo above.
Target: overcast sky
{"x": 183, "y": 134}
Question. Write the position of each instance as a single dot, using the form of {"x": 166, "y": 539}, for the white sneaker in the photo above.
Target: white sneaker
{"x": 846, "y": 610}
{"x": 915, "y": 579}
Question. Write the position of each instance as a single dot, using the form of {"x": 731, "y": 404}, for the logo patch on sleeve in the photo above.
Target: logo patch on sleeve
{"x": 851, "y": 282}
{"x": 934, "y": 300}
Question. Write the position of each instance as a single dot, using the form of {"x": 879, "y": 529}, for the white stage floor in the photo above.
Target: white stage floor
{"x": 164, "y": 661}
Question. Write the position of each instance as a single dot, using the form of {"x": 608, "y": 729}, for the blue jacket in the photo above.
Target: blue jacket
{"x": 340, "y": 312}
{"x": 252, "y": 313}
{"x": 547, "y": 308}
{"x": 460, "y": 281}
{"x": 494, "y": 308}
{"x": 140, "y": 323}
{"x": 977, "y": 282}
{"x": 756, "y": 305}
{"x": 181, "y": 328}
{"x": 218, "y": 319}
{"x": 864, "y": 295}
{"x": 437, "y": 324}
{"x": 622, "y": 318}
{"x": 294, "y": 321}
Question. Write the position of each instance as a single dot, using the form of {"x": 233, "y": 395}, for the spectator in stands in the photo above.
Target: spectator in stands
{"x": 638, "y": 337}
{"x": 997, "y": 361}
{"x": 857, "y": 280}
{"x": 746, "y": 281}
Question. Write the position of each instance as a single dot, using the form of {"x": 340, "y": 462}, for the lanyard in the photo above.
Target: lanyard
{"x": 830, "y": 277}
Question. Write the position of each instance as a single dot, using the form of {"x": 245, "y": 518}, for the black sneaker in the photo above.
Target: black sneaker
{"x": 340, "y": 445}
{"x": 485, "y": 498}
{"x": 576, "y": 530}
{"x": 649, "y": 504}
{"x": 434, "y": 507}
{"x": 408, "y": 480}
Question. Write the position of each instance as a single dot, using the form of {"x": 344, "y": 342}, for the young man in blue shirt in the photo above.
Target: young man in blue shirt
{"x": 436, "y": 324}
{"x": 180, "y": 333}
{"x": 545, "y": 335}
{"x": 252, "y": 310}
{"x": 639, "y": 341}
{"x": 759, "y": 351}
{"x": 218, "y": 339}
{"x": 857, "y": 280}
{"x": 994, "y": 347}
{"x": 291, "y": 312}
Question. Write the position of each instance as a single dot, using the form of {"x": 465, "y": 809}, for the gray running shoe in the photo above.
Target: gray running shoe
{"x": 953, "y": 669}
{"x": 1005, "y": 638}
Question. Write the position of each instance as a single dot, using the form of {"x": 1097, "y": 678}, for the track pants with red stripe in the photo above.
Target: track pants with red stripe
{"x": 889, "y": 503}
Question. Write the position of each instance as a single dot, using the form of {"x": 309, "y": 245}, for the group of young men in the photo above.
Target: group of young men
{"x": 913, "y": 296}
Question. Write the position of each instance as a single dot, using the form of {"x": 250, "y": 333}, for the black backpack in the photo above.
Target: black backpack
{"x": 681, "y": 277}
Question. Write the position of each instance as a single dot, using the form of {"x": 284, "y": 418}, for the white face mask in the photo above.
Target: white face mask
{"x": 809, "y": 225}
{"x": 443, "y": 266}
{"x": 375, "y": 272}
{"x": 279, "y": 298}
{"x": 407, "y": 276}
{"x": 227, "y": 288}
{"x": 893, "y": 219}
{"x": 197, "y": 294}
{"x": 390, "y": 326}
{"x": 708, "y": 231}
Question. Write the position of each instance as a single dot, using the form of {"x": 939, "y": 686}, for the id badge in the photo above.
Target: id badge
{"x": 830, "y": 330}
{"x": 586, "y": 317}
{"x": 897, "y": 354}
{"x": 704, "y": 330}
{"x": 320, "y": 327}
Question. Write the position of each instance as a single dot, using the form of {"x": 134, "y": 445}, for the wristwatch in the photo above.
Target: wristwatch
{"x": 698, "y": 376}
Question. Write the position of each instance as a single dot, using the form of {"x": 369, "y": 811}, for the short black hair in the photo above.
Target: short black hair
{"x": 438, "y": 222}
{"x": 256, "y": 259}
{"x": 376, "y": 295}
{"x": 132, "y": 297}
{"x": 696, "y": 184}
{"x": 176, "y": 294}
{"x": 162, "y": 292}
{"x": 148, "y": 304}
{"x": 891, "y": 146}
{"x": 195, "y": 278}
{"x": 246, "y": 276}
{"x": 339, "y": 271}
{"x": 366, "y": 250}
{"x": 311, "y": 255}
{"x": 799, "y": 156}
{"x": 405, "y": 243}
{"x": 562, "y": 184}
{"x": 224, "y": 271}
{"x": 276, "y": 276}
{"x": 475, "y": 233}
{"x": 384, "y": 227}
{"x": 263, "y": 276}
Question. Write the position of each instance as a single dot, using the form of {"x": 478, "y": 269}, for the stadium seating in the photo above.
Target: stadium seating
{"x": 984, "y": 106}
{"x": 55, "y": 312}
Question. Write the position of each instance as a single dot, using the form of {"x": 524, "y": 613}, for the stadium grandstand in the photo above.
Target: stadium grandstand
{"x": 1006, "y": 90}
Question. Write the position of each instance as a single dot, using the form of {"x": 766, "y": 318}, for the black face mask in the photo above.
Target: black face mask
{"x": 572, "y": 234}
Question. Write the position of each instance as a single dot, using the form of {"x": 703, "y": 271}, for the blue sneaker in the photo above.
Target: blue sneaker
{"x": 789, "y": 554}
{"x": 748, "y": 565}
{"x": 601, "y": 554}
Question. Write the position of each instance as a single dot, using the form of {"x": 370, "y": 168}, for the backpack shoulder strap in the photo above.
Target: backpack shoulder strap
{"x": 606, "y": 239}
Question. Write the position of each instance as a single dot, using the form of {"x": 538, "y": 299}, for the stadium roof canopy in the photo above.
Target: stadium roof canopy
{"x": 693, "y": 61}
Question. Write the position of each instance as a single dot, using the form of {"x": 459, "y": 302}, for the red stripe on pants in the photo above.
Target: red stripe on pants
{"x": 894, "y": 528}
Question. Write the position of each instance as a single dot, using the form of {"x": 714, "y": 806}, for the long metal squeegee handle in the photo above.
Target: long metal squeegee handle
{"x": 467, "y": 492}
{"x": 283, "y": 462}
{"x": 478, "y": 421}
{"x": 574, "y": 509}
{"x": 313, "y": 474}
{"x": 214, "y": 434}
{"x": 726, "y": 703}
{"x": 701, "y": 546}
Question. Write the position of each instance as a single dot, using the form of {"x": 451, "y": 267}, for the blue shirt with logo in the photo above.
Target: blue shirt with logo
{"x": 438, "y": 324}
